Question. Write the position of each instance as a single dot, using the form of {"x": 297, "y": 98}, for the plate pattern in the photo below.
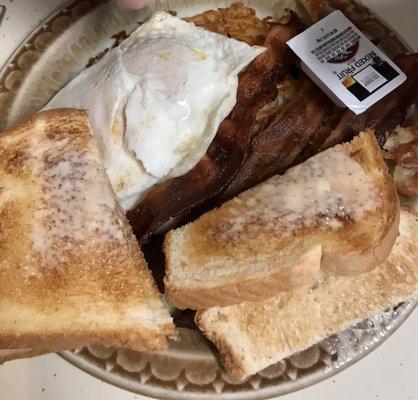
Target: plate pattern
{"x": 191, "y": 370}
{"x": 56, "y": 52}
{"x": 52, "y": 55}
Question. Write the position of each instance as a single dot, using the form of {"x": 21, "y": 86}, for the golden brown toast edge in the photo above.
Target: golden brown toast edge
{"x": 369, "y": 255}
{"x": 301, "y": 273}
{"x": 15, "y": 354}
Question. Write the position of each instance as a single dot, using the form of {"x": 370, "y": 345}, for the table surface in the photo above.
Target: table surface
{"x": 388, "y": 373}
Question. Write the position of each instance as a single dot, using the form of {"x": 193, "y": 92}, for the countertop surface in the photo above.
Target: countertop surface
{"x": 388, "y": 373}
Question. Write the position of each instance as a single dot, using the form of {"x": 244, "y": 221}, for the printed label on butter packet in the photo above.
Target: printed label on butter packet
{"x": 345, "y": 64}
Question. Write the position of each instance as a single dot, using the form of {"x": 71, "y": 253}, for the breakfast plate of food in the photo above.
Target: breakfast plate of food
{"x": 185, "y": 214}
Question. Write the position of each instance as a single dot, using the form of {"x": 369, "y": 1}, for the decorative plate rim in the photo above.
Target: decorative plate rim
{"x": 98, "y": 372}
{"x": 34, "y": 33}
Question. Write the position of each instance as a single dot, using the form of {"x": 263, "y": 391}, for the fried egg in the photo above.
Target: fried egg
{"x": 157, "y": 100}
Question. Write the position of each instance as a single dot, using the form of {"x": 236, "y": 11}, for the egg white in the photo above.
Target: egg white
{"x": 157, "y": 100}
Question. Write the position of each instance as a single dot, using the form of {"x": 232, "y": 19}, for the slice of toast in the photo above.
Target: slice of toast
{"x": 338, "y": 211}
{"x": 71, "y": 271}
{"x": 251, "y": 336}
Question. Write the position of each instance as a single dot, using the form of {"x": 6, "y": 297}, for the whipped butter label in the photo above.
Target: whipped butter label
{"x": 345, "y": 64}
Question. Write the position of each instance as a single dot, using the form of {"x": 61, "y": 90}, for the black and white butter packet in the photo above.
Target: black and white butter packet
{"x": 346, "y": 65}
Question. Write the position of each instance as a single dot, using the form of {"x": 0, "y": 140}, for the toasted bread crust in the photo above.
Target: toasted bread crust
{"x": 292, "y": 322}
{"x": 231, "y": 360}
{"x": 71, "y": 271}
{"x": 365, "y": 259}
{"x": 302, "y": 273}
{"x": 15, "y": 354}
{"x": 356, "y": 247}
{"x": 47, "y": 342}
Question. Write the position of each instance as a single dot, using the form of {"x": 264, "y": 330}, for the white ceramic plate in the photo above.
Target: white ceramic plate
{"x": 51, "y": 56}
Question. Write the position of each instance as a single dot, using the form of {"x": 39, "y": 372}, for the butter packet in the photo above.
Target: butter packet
{"x": 346, "y": 65}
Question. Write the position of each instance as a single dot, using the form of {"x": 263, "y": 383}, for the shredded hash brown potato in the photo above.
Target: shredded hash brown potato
{"x": 236, "y": 21}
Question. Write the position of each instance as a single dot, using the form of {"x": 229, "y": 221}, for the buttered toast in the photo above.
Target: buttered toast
{"x": 338, "y": 211}
{"x": 250, "y": 336}
{"x": 71, "y": 271}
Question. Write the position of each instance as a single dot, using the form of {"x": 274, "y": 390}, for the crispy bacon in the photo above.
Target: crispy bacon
{"x": 273, "y": 149}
